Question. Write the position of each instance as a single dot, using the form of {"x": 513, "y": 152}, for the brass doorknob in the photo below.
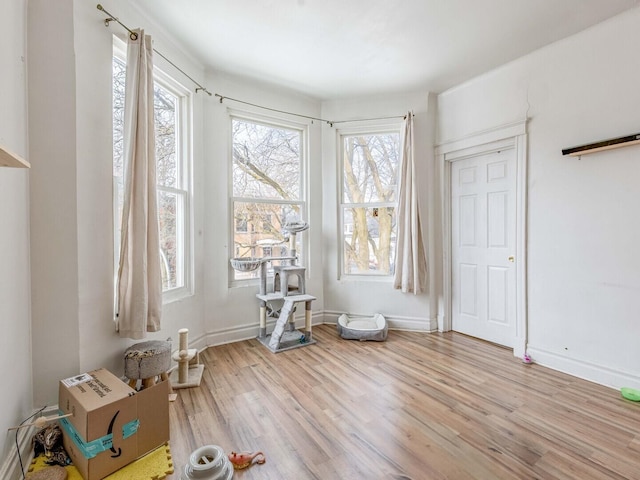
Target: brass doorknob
{"x": 512, "y": 258}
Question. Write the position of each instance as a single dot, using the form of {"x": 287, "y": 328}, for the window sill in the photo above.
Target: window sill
{"x": 366, "y": 278}
{"x": 176, "y": 294}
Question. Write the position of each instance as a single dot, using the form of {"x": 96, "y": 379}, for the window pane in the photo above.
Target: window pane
{"x": 165, "y": 108}
{"x": 263, "y": 234}
{"x": 119, "y": 72}
{"x": 370, "y": 167}
{"x": 169, "y": 213}
{"x": 369, "y": 240}
{"x": 241, "y": 225}
{"x": 266, "y": 161}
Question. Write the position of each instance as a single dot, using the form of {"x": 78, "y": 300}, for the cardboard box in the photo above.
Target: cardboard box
{"x": 111, "y": 424}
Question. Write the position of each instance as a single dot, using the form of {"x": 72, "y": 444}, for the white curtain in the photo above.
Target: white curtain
{"x": 139, "y": 275}
{"x": 411, "y": 260}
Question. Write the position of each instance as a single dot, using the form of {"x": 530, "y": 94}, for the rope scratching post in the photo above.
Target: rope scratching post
{"x": 189, "y": 371}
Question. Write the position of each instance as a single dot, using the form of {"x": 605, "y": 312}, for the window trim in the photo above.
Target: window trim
{"x": 302, "y": 201}
{"x": 371, "y": 128}
{"x": 184, "y": 138}
{"x": 184, "y": 188}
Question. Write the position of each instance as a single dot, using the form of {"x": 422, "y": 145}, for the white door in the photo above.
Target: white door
{"x": 483, "y": 235}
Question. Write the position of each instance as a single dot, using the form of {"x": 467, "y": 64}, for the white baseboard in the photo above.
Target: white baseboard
{"x": 251, "y": 330}
{"x": 411, "y": 324}
{"x": 230, "y": 335}
{"x": 585, "y": 370}
{"x": 10, "y": 468}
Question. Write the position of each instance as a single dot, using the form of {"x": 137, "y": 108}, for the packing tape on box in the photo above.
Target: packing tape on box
{"x": 99, "y": 445}
{"x": 130, "y": 428}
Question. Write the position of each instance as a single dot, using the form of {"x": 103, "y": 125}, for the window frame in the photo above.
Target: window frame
{"x": 184, "y": 181}
{"x": 373, "y": 128}
{"x": 302, "y": 201}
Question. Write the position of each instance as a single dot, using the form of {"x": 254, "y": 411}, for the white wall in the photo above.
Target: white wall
{"x": 15, "y": 341}
{"x": 583, "y": 260}
{"x": 365, "y": 296}
{"x": 53, "y": 196}
{"x": 70, "y": 145}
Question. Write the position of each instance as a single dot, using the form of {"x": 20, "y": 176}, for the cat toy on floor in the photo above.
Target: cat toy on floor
{"x": 245, "y": 459}
{"x": 40, "y": 422}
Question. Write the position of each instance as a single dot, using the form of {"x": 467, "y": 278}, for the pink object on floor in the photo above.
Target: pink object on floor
{"x": 243, "y": 460}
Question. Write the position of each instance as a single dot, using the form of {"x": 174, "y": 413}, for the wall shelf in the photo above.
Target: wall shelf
{"x": 10, "y": 159}
{"x": 603, "y": 145}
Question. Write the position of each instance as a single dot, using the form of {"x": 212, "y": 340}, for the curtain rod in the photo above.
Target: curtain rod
{"x": 222, "y": 97}
{"x": 134, "y": 36}
{"x": 328, "y": 122}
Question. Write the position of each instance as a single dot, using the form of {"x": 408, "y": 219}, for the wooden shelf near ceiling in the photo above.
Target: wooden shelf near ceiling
{"x": 10, "y": 159}
{"x": 603, "y": 145}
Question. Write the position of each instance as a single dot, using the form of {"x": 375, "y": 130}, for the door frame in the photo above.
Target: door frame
{"x": 513, "y": 135}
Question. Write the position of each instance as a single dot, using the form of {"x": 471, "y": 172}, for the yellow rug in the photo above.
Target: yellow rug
{"x": 155, "y": 465}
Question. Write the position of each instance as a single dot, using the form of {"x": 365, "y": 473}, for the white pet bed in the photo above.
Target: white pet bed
{"x": 362, "y": 328}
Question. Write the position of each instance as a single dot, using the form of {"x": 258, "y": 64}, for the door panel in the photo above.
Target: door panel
{"x": 483, "y": 239}
{"x": 497, "y": 204}
{"x": 468, "y": 290}
{"x": 468, "y": 216}
{"x": 497, "y": 291}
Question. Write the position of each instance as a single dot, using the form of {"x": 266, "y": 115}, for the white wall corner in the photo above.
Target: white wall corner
{"x": 10, "y": 467}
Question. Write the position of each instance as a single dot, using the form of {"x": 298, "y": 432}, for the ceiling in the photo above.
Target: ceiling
{"x": 332, "y": 49}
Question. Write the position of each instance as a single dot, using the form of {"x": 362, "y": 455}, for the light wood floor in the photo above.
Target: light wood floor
{"x": 418, "y": 406}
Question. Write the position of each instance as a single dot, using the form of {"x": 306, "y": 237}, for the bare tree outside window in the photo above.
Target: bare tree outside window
{"x": 370, "y": 164}
{"x": 267, "y": 187}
